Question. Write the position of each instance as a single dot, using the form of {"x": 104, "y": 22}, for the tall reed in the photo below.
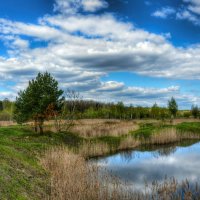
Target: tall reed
{"x": 73, "y": 178}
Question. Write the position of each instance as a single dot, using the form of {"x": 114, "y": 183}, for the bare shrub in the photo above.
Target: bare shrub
{"x": 65, "y": 120}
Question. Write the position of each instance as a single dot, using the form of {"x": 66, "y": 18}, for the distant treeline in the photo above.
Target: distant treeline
{"x": 94, "y": 109}
{"x": 6, "y": 110}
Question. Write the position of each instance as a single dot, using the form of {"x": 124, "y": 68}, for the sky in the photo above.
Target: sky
{"x": 136, "y": 51}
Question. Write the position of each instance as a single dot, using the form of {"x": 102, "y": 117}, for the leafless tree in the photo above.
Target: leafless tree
{"x": 64, "y": 121}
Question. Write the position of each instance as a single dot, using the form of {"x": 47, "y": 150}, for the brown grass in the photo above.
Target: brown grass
{"x": 129, "y": 142}
{"x": 160, "y": 137}
{"x": 97, "y": 128}
{"x": 7, "y": 123}
{"x": 93, "y": 149}
{"x": 73, "y": 178}
{"x": 171, "y": 135}
{"x": 165, "y": 136}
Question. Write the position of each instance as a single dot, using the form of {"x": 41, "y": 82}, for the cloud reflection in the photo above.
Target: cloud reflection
{"x": 140, "y": 167}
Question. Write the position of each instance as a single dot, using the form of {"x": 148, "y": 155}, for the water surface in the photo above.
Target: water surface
{"x": 146, "y": 165}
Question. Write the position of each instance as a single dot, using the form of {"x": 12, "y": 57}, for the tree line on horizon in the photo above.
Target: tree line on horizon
{"x": 43, "y": 100}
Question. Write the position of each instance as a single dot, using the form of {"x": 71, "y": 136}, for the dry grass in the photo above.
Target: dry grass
{"x": 129, "y": 143}
{"x": 91, "y": 149}
{"x": 169, "y": 135}
{"x": 179, "y": 121}
{"x": 7, "y": 123}
{"x": 159, "y": 137}
{"x": 165, "y": 136}
{"x": 73, "y": 178}
{"x": 97, "y": 128}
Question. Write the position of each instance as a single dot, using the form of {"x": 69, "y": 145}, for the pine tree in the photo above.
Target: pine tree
{"x": 39, "y": 100}
{"x": 173, "y": 107}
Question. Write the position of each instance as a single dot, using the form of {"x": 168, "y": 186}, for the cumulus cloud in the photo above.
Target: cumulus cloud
{"x": 67, "y": 6}
{"x": 94, "y": 5}
{"x": 185, "y": 14}
{"x": 78, "y": 51}
{"x": 194, "y": 6}
{"x": 9, "y": 95}
{"x": 164, "y": 12}
{"x": 70, "y": 7}
{"x": 189, "y": 10}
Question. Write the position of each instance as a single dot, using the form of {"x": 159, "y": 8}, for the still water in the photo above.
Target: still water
{"x": 138, "y": 167}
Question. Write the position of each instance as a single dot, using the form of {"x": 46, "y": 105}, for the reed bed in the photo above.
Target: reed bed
{"x": 162, "y": 136}
{"x": 99, "y": 128}
{"x": 94, "y": 149}
{"x": 129, "y": 143}
{"x": 71, "y": 177}
{"x": 165, "y": 136}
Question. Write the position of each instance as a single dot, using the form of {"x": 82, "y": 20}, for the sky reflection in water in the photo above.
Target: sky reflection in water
{"x": 138, "y": 167}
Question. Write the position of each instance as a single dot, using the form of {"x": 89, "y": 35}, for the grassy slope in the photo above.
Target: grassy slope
{"x": 21, "y": 176}
{"x": 192, "y": 127}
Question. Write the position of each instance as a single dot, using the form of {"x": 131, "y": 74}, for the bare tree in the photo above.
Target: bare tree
{"x": 64, "y": 121}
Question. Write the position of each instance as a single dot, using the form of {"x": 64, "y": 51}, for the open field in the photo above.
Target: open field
{"x": 31, "y": 170}
{"x": 103, "y": 127}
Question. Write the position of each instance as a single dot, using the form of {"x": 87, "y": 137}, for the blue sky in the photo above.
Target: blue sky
{"x": 136, "y": 51}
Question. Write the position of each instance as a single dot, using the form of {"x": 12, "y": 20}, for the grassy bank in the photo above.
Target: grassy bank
{"x": 148, "y": 134}
{"x": 23, "y": 177}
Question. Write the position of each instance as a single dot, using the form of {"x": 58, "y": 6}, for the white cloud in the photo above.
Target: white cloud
{"x": 185, "y": 14}
{"x": 67, "y": 6}
{"x": 70, "y": 7}
{"x": 94, "y": 5}
{"x": 20, "y": 43}
{"x": 9, "y": 95}
{"x": 194, "y": 6}
{"x": 190, "y": 12}
{"x": 80, "y": 60}
{"x": 164, "y": 12}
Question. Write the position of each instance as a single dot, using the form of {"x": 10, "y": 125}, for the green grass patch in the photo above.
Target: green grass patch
{"x": 148, "y": 129}
{"x": 145, "y": 131}
{"x": 190, "y": 127}
{"x": 21, "y": 175}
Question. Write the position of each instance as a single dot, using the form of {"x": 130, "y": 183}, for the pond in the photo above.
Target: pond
{"x": 137, "y": 167}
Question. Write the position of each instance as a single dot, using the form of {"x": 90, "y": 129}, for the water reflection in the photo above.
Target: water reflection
{"x": 150, "y": 163}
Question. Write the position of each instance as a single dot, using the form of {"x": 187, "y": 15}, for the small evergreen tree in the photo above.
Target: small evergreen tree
{"x": 1, "y": 106}
{"x": 195, "y": 111}
{"x": 155, "y": 111}
{"x": 40, "y": 100}
{"x": 120, "y": 109}
{"x": 173, "y": 107}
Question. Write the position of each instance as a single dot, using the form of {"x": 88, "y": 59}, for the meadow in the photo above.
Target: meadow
{"x": 54, "y": 165}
